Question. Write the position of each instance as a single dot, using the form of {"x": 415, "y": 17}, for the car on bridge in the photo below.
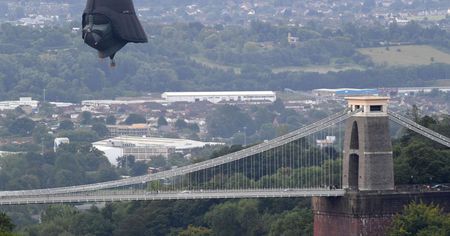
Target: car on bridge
{"x": 440, "y": 186}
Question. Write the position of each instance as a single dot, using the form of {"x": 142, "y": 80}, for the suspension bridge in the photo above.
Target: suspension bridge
{"x": 320, "y": 159}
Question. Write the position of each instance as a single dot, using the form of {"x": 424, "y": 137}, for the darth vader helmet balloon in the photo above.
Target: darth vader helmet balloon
{"x": 110, "y": 24}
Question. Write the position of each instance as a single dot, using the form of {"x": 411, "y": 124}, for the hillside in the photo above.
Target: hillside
{"x": 406, "y": 55}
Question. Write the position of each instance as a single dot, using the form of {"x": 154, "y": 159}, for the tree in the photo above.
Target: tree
{"x": 22, "y": 126}
{"x": 422, "y": 220}
{"x": 100, "y": 129}
{"x": 111, "y": 120}
{"x": 135, "y": 119}
{"x": 180, "y": 124}
{"x": 227, "y": 120}
{"x": 6, "y": 225}
{"x": 194, "y": 127}
{"x": 91, "y": 223}
{"x": 86, "y": 118}
{"x": 162, "y": 121}
{"x": 66, "y": 125}
{"x": 126, "y": 161}
{"x": 39, "y": 132}
{"x": 278, "y": 106}
{"x": 158, "y": 161}
{"x": 195, "y": 231}
{"x": 80, "y": 135}
{"x": 235, "y": 218}
{"x": 139, "y": 168}
{"x": 293, "y": 223}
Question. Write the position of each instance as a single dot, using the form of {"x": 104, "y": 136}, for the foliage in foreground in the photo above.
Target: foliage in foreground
{"x": 205, "y": 217}
{"x": 421, "y": 220}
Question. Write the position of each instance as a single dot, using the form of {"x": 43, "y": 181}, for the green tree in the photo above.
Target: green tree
{"x": 46, "y": 109}
{"x": 180, "y": 124}
{"x": 297, "y": 222}
{"x": 139, "y": 168}
{"x": 6, "y": 225}
{"x": 100, "y": 129}
{"x": 162, "y": 121}
{"x": 91, "y": 223}
{"x": 195, "y": 231}
{"x": 135, "y": 119}
{"x": 158, "y": 161}
{"x": 227, "y": 120}
{"x": 111, "y": 120}
{"x": 80, "y": 135}
{"x": 41, "y": 135}
{"x": 22, "y": 126}
{"x": 66, "y": 125}
{"x": 126, "y": 161}
{"x": 86, "y": 118}
{"x": 54, "y": 212}
{"x": 235, "y": 218}
{"x": 194, "y": 127}
{"x": 421, "y": 220}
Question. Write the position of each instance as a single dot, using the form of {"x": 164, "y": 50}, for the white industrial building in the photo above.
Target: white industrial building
{"x": 100, "y": 103}
{"x": 144, "y": 148}
{"x": 58, "y": 141}
{"x": 23, "y": 101}
{"x": 218, "y": 97}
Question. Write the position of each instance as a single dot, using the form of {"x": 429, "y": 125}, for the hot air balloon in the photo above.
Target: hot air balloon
{"x": 108, "y": 25}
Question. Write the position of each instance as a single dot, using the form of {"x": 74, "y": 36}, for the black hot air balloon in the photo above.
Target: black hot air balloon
{"x": 110, "y": 24}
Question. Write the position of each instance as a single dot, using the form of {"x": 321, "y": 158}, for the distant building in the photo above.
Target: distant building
{"x": 23, "y": 101}
{"x": 328, "y": 141}
{"x": 129, "y": 130}
{"x": 144, "y": 148}
{"x": 414, "y": 90}
{"x": 58, "y": 142}
{"x": 99, "y": 103}
{"x": 292, "y": 40}
{"x": 343, "y": 92}
{"x": 221, "y": 97}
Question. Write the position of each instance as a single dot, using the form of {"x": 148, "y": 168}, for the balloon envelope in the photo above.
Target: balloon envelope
{"x": 108, "y": 25}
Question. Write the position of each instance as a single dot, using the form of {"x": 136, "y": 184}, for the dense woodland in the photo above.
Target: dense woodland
{"x": 191, "y": 56}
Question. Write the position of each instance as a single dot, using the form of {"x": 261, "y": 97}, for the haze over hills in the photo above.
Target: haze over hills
{"x": 331, "y": 13}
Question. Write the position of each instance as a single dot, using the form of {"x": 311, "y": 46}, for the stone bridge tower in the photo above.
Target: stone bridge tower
{"x": 368, "y": 162}
{"x": 370, "y": 201}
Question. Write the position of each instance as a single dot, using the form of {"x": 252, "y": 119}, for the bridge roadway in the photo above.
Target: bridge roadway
{"x": 127, "y": 195}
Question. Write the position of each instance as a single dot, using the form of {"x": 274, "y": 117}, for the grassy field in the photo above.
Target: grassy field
{"x": 406, "y": 55}
{"x": 205, "y": 62}
{"x": 319, "y": 69}
{"x": 443, "y": 82}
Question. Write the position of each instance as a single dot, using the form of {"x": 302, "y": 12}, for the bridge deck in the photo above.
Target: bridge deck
{"x": 147, "y": 196}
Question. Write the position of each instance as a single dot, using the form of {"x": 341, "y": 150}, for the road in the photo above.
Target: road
{"x": 182, "y": 195}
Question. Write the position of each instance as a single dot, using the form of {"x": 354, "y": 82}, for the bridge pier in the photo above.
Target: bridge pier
{"x": 367, "y": 213}
{"x": 370, "y": 202}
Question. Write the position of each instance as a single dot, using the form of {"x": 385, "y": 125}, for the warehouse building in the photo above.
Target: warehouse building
{"x": 343, "y": 92}
{"x": 221, "y": 97}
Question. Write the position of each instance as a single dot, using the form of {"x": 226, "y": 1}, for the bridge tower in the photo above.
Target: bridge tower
{"x": 368, "y": 176}
{"x": 368, "y": 162}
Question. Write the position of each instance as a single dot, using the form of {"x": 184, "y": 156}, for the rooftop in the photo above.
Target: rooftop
{"x": 221, "y": 93}
{"x": 178, "y": 144}
{"x": 367, "y": 98}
